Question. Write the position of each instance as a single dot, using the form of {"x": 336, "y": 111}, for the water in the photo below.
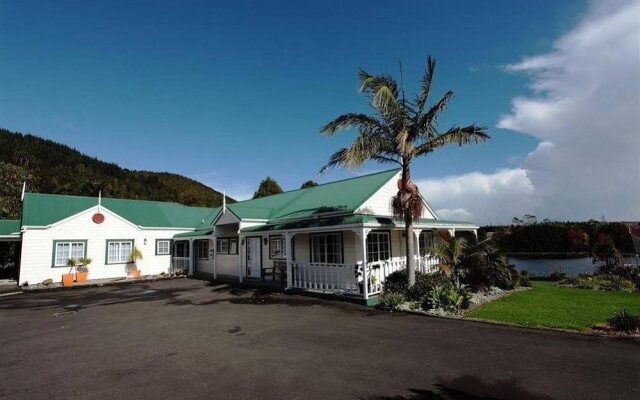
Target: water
{"x": 571, "y": 266}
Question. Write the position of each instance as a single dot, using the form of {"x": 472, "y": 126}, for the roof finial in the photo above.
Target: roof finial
{"x": 24, "y": 189}
{"x": 224, "y": 201}
{"x": 99, "y": 199}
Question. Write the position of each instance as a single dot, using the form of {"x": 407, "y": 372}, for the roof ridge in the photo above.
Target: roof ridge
{"x": 321, "y": 184}
{"x": 118, "y": 199}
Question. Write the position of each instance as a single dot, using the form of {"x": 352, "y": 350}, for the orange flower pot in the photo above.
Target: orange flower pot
{"x": 134, "y": 274}
{"x": 67, "y": 280}
{"x": 81, "y": 277}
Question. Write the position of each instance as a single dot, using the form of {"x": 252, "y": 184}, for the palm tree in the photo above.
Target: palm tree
{"x": 398, "y": 131}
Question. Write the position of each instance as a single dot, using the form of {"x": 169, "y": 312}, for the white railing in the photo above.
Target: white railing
{"x": 348, "y": 279}
{"x": 379, "y": 270}
{"x": 334, "y": 278}
{"x": 179, "y": 265}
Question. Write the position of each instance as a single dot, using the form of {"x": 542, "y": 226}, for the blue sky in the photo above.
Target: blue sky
{"x": 229, "y": 92}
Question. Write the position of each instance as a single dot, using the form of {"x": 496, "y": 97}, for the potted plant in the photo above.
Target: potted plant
{"x": 67, "y": 279}
{"x": 82, "y": 269}
{"x": 132, "y": 266}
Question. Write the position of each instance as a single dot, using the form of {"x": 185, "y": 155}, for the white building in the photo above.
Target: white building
{"x": 330, "y": 238}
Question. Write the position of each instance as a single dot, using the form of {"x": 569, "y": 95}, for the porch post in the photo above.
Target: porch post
{"x": 242, "y": 240}
{"x": 190, "y": 256}
{"x": 417, "y": 233}
{"x": 215, "y": 255}
{"x": 288, "y": 247}
{"x": 365, "y": 270}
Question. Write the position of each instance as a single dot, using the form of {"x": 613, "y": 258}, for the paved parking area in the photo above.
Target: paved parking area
{"x": 183, "y": 339}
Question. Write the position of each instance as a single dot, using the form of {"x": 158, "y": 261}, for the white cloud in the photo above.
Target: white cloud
{"x": 478, "y": 197}
{"x": 585, "y": 109}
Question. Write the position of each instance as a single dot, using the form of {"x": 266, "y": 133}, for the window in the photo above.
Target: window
{"x": 277, "y": 247}
{"x": 163, "y": 247}
{"x": 222, "y": 246}
{"x": 119, "y": 251}
{"x": 233, "y": 246}
{"x": 378, "y": 246}
{"x": 326, "y": 248}
{"x": 203, "y": 249}
{"x": 182, "y": 250}
{"x": 426, "y": 240}
{"x": 63, "y": 251}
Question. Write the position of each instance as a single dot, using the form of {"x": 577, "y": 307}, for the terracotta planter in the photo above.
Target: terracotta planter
{"x": 67, "y": 280}
{"x": 81, "y": 277}
{"x": 134, "y": 274}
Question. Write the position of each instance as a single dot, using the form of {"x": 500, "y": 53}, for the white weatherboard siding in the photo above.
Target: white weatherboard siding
{"x": 380, "y": 202}
{"x": 227, "y": 264}
{"x": 37, "y": 247}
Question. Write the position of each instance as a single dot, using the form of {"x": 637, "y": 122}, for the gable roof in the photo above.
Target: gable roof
{"x": 9, "y": 227}
{"x": 45, "y": 209}
{"x": 340, "y": 196}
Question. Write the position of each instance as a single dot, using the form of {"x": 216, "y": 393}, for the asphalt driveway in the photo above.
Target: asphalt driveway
{"x": 184, "y": 339}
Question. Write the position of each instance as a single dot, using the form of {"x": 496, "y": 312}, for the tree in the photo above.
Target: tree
{"x": 267, "y": 187}
{"x": 309, "y": 184}
{"x": 398, "y": 131}
{"x": 12, "y": 177}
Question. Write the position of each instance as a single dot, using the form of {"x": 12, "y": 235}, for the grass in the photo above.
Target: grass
{"x": 546, "y": 305}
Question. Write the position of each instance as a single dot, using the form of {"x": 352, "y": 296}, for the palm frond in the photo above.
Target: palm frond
{"x": 383, "y": 92}
{"x": 365, "y": 147}
{"x": 457, "y": 135}
{"x": 429, "y": 119}
{"x": 425, "y": 86}
{"x": 352, "y": 120}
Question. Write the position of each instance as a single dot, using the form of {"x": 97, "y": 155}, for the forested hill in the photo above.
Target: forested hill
{"x": 50, "y": 167}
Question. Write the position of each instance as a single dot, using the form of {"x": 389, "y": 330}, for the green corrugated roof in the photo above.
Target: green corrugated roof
{"x": 45, "y": 209}
{"x": 345, "y": 195}
{"x": 196, "y": 233}
{"x": 9, "y": 227}
{"x": 350, "y": 219}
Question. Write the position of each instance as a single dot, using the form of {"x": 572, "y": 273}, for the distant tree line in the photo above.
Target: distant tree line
{"x": 531, "y": 236}
{"x": 51, "y": 167}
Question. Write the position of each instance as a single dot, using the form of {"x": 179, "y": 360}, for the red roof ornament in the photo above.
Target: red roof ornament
{"x": 98, "y": 218}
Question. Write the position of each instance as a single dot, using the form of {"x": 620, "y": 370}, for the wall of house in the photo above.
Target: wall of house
{"x": 380, "y": 202}
{"x": 227, "y": 264}
{"x": 38, "y": 252}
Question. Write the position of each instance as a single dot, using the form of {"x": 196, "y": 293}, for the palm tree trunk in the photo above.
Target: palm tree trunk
{"x": 408, "y": 230}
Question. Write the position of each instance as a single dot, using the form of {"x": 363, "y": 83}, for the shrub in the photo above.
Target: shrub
{"x": 449, "y": 298}
{"x": 557, "y": 274}
{"x": 391, "y": 301}
{"x": 397, "y": 282}
{"x": 625, "y": 320}
{"x": 598, "y": 282}
{"x": 525, "y": 279}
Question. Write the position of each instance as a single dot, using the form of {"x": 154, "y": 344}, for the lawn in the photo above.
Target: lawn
{"x": 550, "y": 306}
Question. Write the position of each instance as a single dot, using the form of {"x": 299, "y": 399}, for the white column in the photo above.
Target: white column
{"x": 288, "y": 237}
{"x": 365, "y": 270}
{"x": 417, "y": 232}
{"x": 242, "y": 240}
{"x": 215, "y": 256}
{"x": 452, "y": 232}
{"x": 190, "y": 256}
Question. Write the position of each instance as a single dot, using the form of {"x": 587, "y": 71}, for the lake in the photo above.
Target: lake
{"x": 571, "y": 266}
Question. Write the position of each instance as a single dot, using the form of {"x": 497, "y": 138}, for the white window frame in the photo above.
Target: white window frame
{"x": 69, "y": 254}
{"x": 233, "y": 242}
{"x": 122, "y": 257}
{"x": 203, "y": 249}
{"x": 222, "y": 246}
{"x": 277, "y": 248}
{"x": 168, "y": 243}
{"x": 319, "y": 252}
{"x": 375, "y": 250}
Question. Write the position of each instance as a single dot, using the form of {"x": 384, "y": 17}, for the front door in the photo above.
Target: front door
{"x": 254, "y": 257}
